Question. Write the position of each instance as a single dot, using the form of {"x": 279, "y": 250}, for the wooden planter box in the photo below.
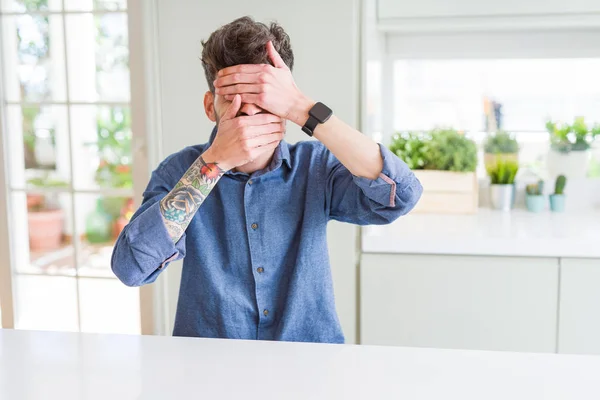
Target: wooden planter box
{"x": 446, "y": 192}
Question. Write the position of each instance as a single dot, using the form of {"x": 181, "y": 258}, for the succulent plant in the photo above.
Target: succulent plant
{"x": 535, "y": 189}
{"x": 503, "y": 172}
{"x": 561, "y": 182}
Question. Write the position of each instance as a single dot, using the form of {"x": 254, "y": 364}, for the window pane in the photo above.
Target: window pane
{"x": 38, "y": 146}
{"x": 46, "y": 303}
{"x": 108, "y": 306}
{"x": 42, "y": 233}
{"x": 30, "y": 5}
{"x": 89, "y": 5}
{"x": 102, "y": 147}
{"x": 98, "y": 57}
{"x": 100, "y": 219}
{"x": 34, "y": 66}
{"x": 525, "y": 93}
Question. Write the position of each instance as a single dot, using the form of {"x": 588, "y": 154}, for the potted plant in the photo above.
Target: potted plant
{"x": 411, "y": 147}
{"x": 502, "y": 189}
{"x": 534, "y": 196}
{"x": 113, "y": 145}
{"x": 500, "y": 146}
{"x": 45, "y": 216}
{"x": 557, "y": 199}
{"x": 444, "y": 161}
{"x": 569, "y": 148}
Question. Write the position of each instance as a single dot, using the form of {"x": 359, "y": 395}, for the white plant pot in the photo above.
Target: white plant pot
{"x": 502, "y": 197}
{"x": 573, "y": 165}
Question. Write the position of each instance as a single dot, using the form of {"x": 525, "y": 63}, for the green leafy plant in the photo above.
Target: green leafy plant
{"x": 114, "y": 149}
{"x": 503, "y": 172}
{"x": 439, "y": 149}
{"x": 559, "y": 186}
{"x": 575, "y": 137}
{"x": 535, "y": 189}
{"x": 411, "y": 148}
{"x": 450, "y": 150}
{"x": 501, "y": 142}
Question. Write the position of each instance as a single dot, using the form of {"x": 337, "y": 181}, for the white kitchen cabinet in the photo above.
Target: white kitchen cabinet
{"x": 474, "y": 8}
{"x": 579, "y": 317}
{"x": 466, "y": 302}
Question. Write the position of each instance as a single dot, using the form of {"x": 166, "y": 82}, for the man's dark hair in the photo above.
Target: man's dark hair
{"x": 243, "y": 41}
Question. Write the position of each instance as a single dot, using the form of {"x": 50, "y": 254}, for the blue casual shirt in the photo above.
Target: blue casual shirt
{"x": 256, "y": 264}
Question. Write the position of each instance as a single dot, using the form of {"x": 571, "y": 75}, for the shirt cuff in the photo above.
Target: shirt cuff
{"x": 395, "y": 176}
{"x": 150, "y": 241}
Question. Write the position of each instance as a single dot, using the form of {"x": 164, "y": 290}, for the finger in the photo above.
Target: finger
{"x": 257, "y": 152}
{"x": 247, "y": 98}
{"x": 264, "y": 140}
{"x": 274, "y": 56}
{"x": 239, "y": 89}
{"x": 258, "y": 119}
{"x": 251, "y": 132}
{"x": 244, "y": 69}
{"x": 233, "y": 109}
{"x": 232, "y": 79}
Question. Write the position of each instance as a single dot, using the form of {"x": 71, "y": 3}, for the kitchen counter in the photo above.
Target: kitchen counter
{"x": 491, "y": 233}
{"x": 45, "y": 365}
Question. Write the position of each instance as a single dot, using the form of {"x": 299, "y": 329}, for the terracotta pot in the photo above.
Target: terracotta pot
{"x": 34, "y": 200}
{"x": 45, "y": 229}
{"x": 118, "y": 226}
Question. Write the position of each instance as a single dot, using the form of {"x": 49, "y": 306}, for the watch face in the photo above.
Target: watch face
{"x": 321, "y": 112}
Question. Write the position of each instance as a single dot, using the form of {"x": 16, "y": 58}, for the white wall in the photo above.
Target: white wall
{"x": 325, "y": 40}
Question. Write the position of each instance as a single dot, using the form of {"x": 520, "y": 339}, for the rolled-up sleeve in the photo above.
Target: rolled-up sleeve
{"x": 144, "y": 248}
{"x": 365, "y": 201}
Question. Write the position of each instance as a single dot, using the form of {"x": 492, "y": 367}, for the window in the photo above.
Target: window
{"x": 68, "y": 149}
{"x": 454, "y": 92}
{"x": 522, "y": 93}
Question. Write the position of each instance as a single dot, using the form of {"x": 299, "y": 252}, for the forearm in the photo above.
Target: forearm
{"x": 180, "y": 205}
{"x": 356, "y": 151}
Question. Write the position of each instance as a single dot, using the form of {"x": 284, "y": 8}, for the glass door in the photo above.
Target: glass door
{"x": 67, "y": 162}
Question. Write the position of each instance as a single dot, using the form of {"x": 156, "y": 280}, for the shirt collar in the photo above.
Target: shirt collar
{"x": 282, "y": 152}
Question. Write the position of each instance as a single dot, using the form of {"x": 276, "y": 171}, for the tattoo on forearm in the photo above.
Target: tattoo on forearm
{"x": 180, "y": 205}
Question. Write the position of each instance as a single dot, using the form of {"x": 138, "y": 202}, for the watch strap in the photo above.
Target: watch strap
{"x": 310, "y": 125}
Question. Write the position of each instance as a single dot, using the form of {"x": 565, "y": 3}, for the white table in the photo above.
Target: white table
{"x": 65, "y": 366}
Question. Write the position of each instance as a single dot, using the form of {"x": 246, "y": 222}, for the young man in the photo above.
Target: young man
{"x": 248, "y": 211}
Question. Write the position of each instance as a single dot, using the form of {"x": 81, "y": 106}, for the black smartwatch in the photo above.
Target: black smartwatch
{"x": 318, "y": 114}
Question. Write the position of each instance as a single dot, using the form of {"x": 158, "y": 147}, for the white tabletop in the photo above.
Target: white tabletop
{"x": 65, "y": 366}
{"x": 489, "y": 232}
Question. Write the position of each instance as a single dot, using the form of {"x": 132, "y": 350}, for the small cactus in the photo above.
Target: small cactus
{"x": 559, "y": 187}
{"x": 535, "y": 189}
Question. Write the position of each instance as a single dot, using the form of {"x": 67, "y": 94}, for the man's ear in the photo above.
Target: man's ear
{"x": 209, "y": 106}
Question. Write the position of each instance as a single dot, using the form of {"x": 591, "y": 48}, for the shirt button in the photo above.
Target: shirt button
{"x": 255, "y": 226}
{"x": 250, "y": 182}
{"x": 260, "y": 270}
{"x": 266, "y": 313}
